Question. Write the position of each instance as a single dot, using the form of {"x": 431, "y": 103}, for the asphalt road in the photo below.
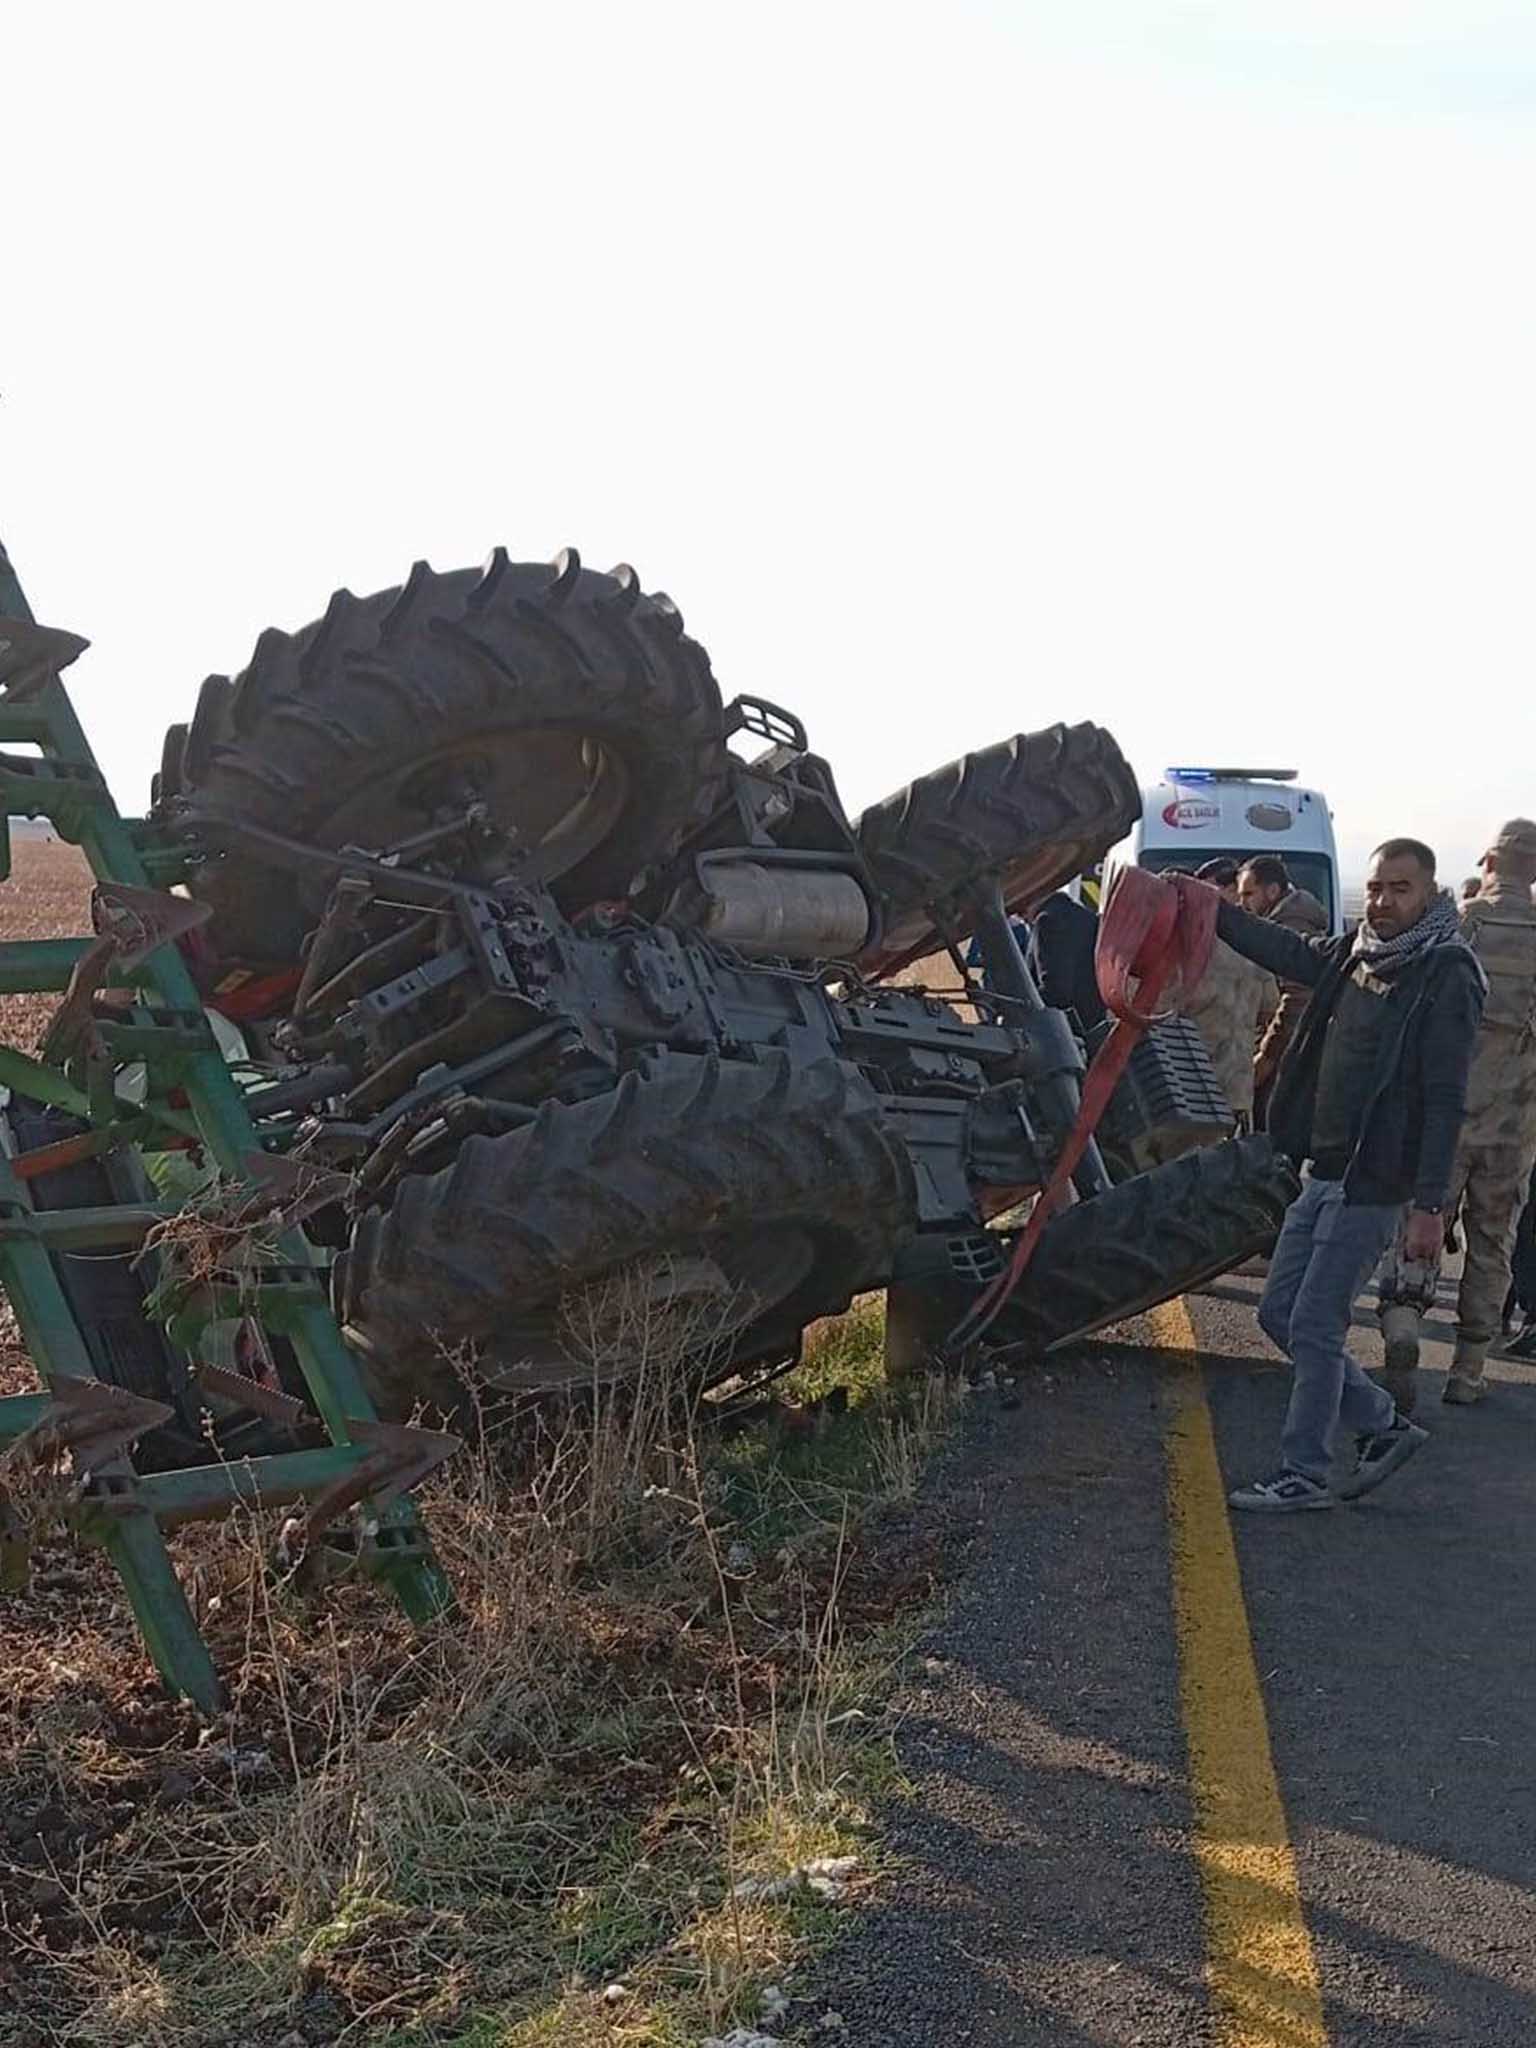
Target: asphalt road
{"x": 1046, "y": 1883}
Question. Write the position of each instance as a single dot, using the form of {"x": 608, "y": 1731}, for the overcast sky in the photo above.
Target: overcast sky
{"x": 957, "y": 368}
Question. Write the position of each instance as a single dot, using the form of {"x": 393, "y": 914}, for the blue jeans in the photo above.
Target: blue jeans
{"x": 1328, "y": 1249}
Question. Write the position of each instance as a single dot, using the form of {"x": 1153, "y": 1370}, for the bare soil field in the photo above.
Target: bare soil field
{"x": 47, "y": 896}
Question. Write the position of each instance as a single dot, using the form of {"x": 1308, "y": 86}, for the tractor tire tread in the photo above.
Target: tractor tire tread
{"x": 672, "y": 1155}
{"x": 1035, "y": 810}
{"x": 1148, "y": 1240}
{"x": 447, "y": 653}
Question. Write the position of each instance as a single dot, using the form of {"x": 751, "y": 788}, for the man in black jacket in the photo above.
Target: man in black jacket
{"x": 1371, "y": 1096}
{"x": 1061, "y": 951}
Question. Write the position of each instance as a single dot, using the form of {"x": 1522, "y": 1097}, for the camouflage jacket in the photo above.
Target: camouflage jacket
{"x": 1226, "y": 1007}
{"x": 1500, "y": 927}
{"x": 1300, "y": 912}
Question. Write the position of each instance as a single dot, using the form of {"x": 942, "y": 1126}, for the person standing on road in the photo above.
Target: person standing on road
{"x": 1226, "y": 1004}
{"x": 1522, "y": 1291}
{"x": 1265, "y": 889}
{"x": 1498, "y": 1139}
{"x": 1370, "y": 1098}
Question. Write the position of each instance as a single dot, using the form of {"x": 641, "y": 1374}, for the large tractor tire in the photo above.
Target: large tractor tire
{"x": 1035, "y": 810}
{"x": 575, "y": 707}
{"x": 1148, "y": 1240}
{"x": 725, "y": 1194}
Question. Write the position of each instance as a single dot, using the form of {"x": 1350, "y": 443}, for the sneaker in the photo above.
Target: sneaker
{"x": 1286, "y": 1493}
{"x": 1378, "y": 1457}
{"x": 1462, "y": 1392}
{"x": 1522, "y": 1346}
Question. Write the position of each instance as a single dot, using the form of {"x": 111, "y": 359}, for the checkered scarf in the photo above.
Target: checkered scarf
{"x": 1439, "y": 926}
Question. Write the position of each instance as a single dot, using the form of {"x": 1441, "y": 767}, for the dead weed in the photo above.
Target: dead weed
{"x": 647, "y": 1697}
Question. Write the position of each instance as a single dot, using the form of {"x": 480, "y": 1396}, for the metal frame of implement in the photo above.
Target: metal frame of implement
{"x": 367, "y": 1462}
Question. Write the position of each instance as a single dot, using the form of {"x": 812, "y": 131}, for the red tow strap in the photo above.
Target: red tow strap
{"x": 1155, "y": 938}
{"x": 1157, "y": 931}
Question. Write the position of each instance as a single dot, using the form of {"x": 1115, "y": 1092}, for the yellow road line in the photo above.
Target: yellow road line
{"x": 1260, "y": 1966}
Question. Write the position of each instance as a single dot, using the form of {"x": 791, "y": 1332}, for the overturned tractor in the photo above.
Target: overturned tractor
{"x": 476, "y": 958}
{"x": 569, "y": 987}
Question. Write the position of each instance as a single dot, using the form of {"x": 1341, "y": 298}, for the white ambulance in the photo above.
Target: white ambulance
{"x": 1198, "y": 814}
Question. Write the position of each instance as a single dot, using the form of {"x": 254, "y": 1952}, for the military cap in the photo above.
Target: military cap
{"x": 1516, "y": 843}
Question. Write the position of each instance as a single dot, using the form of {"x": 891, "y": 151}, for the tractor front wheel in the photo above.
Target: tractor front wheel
{"x": 1148, "y": 1240}
{"x": 1034, "y": 811}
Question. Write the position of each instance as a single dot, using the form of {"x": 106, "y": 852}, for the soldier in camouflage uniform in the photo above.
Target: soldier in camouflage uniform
{"x": 1498, "y": 1139}
{"x": 1227, "y": 1004}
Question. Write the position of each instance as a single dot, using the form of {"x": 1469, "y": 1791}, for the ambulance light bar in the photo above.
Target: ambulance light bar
{"x": 1229, "y": 774}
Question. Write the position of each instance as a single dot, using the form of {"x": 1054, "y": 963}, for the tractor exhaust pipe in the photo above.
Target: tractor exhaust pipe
{"x": 783, "y": 910}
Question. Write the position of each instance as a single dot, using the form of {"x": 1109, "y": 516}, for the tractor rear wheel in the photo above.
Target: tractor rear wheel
{"x": 571, "y": 706}
{"x": 719, "y": 1201}
{"x": 1148, "y": 1240}
{"x": 1034, "y": 810}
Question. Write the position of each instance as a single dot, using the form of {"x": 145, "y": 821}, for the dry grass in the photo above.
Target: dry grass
{"x": 663, "y": 1681}
{"x": 525, "y": 1826}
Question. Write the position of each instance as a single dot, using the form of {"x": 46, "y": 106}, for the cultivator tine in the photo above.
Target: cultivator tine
{"x": 296, "y": 1187}
{"x": 287, "y": 1410}
{"x": 409, "y": 1453}
{"x": 129, "y": 923}
{"x": 32, "y": 655}
{"x": 91, "y": 1420}
{"x": 278, "y": 1191}
{"x": 399, "y": 1457}
{"x": 138, "y": 920}
{"x": 74, "y": 1017}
